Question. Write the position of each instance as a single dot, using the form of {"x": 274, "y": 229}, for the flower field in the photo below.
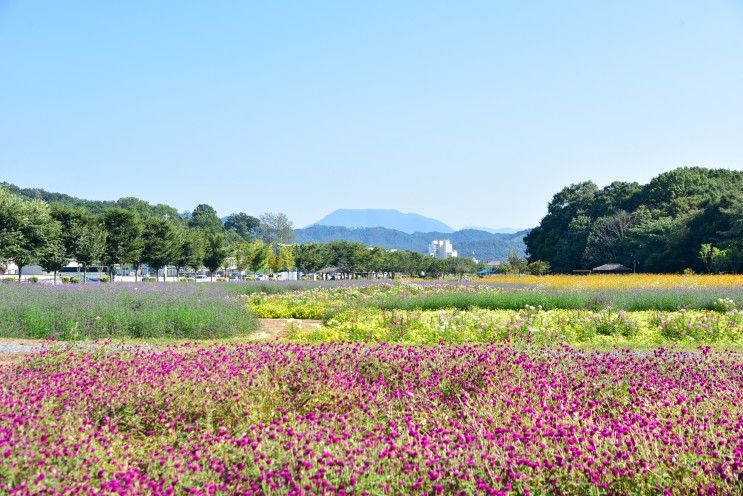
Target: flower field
{"x": 531, "y": 326}
{"x": 382, "y": 419}
{"x": 615, "y": 281}
{"x": 453, "y": 313}
{"x": 325, "y": 301}
{"x": 412, "y": 388}
{"x": 121, "y": 310}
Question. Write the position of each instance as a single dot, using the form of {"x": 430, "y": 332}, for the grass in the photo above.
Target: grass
{"x": 630, "y": 300}
{"x": 121, "y": 310}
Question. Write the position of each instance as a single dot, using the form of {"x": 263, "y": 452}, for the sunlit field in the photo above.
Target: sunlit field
{"x": 619, "y": 281}
{"x": 496, "y": 387}
{"x": 381, "y": 419}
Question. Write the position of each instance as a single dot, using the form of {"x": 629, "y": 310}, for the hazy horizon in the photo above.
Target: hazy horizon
{"x": 469, "y": 114}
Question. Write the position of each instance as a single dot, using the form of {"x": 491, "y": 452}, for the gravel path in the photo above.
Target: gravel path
{"x": 18, "y": 347}
{"x": 12, "y": 349}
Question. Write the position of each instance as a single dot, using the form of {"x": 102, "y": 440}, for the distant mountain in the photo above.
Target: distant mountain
{"x": 483, "y": 245}
{"x": 497, "y": 230}
{"x": 391, "y": 219}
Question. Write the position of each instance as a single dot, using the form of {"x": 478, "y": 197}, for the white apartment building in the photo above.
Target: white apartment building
{"x": 441, "y": 248}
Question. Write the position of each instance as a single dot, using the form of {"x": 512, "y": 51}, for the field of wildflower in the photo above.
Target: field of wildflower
{"x": 372, "y": 419}
{"x": 121, "y": 310}
{"x": 416, "y": 313}
{"x": 418, "y": 388}
{"x": 619, "y": 281}
{"x": 530, "y": 326}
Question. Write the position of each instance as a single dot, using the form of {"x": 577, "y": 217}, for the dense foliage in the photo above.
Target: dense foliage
{"x": 129, "y": 233}
{"x": 657, "y": 227}
{"x": 357, "y": 419}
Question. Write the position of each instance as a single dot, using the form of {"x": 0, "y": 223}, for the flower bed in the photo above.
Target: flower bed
{"x": 385, "y": 419}
{"x": 531, "y": 326}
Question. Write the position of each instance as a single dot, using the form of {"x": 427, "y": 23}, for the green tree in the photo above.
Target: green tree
{"x": 189, "y": 250}
{"x": 160, "y": 243}
{"x": 70, "y": 218}
{"x": 90, "y": 244}
{"x": 27, "y": 230}
{"x": 461, "y": 266}
{"x": 215, "y": 252}
{"x": 206, "y": 218}
{"x": 276, "y": 228}
{"x": 54, "y": 258}
{"x": 245, "y": 227}
{"x": 657, "y": 227}
{"x": 310, "y": 258}
{"x": 539, "y": 268}
{"x": 124, "y": 243}
{"x": 286, "y": 258}
{"x": 611, "y": 240}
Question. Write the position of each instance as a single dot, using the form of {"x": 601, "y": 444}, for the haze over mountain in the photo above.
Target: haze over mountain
{"x": 469, "y": 242}
{"x": 389, "y": 218}
{"x": 497, "y": 230}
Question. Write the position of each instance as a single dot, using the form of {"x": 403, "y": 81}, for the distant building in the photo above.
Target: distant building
{"x": 441, "y": 248}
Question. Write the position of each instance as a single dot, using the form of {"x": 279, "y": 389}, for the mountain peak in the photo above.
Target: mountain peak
{"x": 379, "y": 217}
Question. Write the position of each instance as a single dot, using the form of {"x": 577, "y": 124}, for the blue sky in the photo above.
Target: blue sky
{"x": 471, "y": 112}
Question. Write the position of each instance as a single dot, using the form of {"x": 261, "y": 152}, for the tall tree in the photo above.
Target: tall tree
{"x": 189, "y": 249}
{"x": 54, "y": 258}
{"x": 286, "y": 258}
{"x": 206, "y": 218}
{"x": 657, "y": 227}
{"x": 124, "y": 241}
{"x": 90, "y": 244}
{"x": 276, "y": 228}
{"x": 311, "y": 257}
{"x": 611, "y": 240}
{"x": 27, "y": 230}
{"x": 215, "y": 252}
{"x": 244, "y": 226}
{"x": 159, "y": 243}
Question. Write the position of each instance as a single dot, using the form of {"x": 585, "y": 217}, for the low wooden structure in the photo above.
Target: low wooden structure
{"x": 612, "y": 268}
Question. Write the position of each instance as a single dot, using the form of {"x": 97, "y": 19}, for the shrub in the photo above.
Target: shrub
{"x": 723, "y": 305}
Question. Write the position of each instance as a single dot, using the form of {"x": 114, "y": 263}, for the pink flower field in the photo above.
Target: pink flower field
{"x": 383, "y": 419}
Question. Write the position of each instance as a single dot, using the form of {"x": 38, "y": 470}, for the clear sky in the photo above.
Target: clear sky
{"x": 475, "y": 113}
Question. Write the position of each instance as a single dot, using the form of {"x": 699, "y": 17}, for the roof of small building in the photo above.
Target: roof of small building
{"x": 612, "y": 267}
{"x": 328, "y": 270}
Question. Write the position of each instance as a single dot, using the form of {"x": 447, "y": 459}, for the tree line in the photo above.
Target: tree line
{"x": 688, "y": 218}
{"x": 131, "y": 232}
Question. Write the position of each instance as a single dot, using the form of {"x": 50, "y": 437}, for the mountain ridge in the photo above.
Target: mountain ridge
{"x": 469, "y": 242}
{"x": 407, "y": 222}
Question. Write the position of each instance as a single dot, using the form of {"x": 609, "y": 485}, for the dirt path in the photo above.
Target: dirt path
{"x": 13, "y": 350}
{"x": 275, "y": 329}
